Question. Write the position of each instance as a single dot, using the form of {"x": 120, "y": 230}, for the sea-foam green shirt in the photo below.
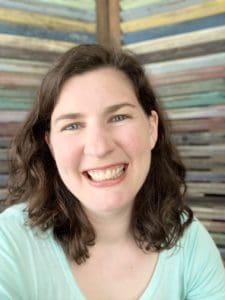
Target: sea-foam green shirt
{"x": 33, "y": 266}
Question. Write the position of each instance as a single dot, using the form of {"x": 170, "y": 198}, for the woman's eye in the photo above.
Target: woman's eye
{"x": 118, "y": 118}
{"x": 73, "y": 126}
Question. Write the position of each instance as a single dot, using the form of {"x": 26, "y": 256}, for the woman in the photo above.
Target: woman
{"x": 102, "y": 213}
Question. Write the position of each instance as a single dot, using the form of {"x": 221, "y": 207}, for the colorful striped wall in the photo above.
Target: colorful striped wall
{"x": 181, "y": 44}
{"x": 32, "y": 34}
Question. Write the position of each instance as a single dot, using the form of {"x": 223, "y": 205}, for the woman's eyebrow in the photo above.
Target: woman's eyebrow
{"x": 115, "y": 107}
{"x": 109, "y": 109}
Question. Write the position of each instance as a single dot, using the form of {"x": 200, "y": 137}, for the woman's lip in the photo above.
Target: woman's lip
{"x": 106, "y": 167}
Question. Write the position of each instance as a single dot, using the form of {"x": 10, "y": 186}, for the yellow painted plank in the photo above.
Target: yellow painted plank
{"x": 208, "y": 8}
{"x": 21, "y": 17}
{"x": 30, "y": 43}
{"x": 179, "y": 40}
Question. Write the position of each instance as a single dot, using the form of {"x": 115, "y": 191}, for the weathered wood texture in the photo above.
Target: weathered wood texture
{"x": 182, "y": 47}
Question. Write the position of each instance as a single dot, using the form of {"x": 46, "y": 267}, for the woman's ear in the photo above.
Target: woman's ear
{"x": 153, "y": 122}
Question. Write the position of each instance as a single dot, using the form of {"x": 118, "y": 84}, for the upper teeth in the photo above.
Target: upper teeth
{"x": 112, "y": 173}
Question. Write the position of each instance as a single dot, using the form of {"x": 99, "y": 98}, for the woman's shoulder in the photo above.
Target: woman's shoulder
{"x": 15, "y": 214}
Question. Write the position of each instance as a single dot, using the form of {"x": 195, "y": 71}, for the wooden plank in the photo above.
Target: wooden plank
{"x": 186, "y": 63}
{"x": 199, "y": 151}
{"x": 184, "y": 89}
{"x": 195, "y": 113}
{"x": 114, "y": 23}
{"x": 179, "y": 40}
{"x": 182, "y": 52}
{"x": 214, "y": 226}
{"x": 4, "y": 168}
{"x": 36, "y": 19}
{"x": 8, "y": 129}
{"x": 195, "y": 189}
{"x": 26, "y": 66}
{"x": 5, "y": 141}
{"x": 149, "y": 9}
{"x": 198, "y": 125}
{"x": 87, "y": 4}
{"x": 34, "y": 44}
{"x": 11, "y": 92}
{"x": 102, "y": 13}
{"x": 196, "y": 100}
{"x": 3, "y": 154}
{"x": 207, "y": 8}
{"x": 128, "y": 4}
{"x": 51, "y": 9}
{"x": 206, "y": 176}
{"x": 12, "y": 116}
{"x": 20, "y": 79}
{"x": 199, "y": 138}
{"x": 210, "y": 213}
{"x": 173, "y": 29}
{"x": 11, "y": 52}
{"x": 15, "y": 104}
{"x": 208, "y": 73}
{"x": 3, "y": 194}
{"x": 202, "y": 163}
{"x": 72, "y": 35}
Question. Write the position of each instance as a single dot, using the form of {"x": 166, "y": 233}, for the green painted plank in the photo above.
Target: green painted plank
{"x": 196, "y": 100}
{"x": 186, "y": 88}
{"x": 186, "y": 63}
{"x": 15, "y": 104}
{"x": 13, "y": 93}
{"x": 131, "y": 4}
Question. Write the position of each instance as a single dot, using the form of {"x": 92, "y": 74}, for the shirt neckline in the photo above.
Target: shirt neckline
{"x": 149, "y": 291}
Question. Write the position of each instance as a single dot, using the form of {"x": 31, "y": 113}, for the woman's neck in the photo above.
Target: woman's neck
{"x": 111, "y": 228}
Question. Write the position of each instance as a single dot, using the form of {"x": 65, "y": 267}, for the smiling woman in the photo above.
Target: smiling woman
{"x": 101, "y": 186}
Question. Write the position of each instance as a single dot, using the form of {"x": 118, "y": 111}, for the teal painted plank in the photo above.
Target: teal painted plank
{"x": 183, "y": 89}
{"x": 14, "y": 93}
{"x": 196, "y": 100}
{"x": 15, "y": 104}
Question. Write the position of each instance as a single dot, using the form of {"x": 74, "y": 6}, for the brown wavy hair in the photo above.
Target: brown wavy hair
{"x": 156, "y": 222}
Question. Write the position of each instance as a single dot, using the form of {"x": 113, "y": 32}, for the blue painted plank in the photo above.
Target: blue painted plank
{"x": 51, "y": 9}
{"x": 155, "y": 8}
{"x": 179, "y": 28}
{"x": 61, "y": 35}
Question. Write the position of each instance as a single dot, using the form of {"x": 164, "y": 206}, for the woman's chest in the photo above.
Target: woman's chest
{"x": 115, "y": 278}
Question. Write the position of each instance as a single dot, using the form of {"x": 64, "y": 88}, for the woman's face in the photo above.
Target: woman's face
{"x": 101, "y": 140}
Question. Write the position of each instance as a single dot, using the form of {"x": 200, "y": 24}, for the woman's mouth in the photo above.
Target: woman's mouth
{"x": 111, "y": 173}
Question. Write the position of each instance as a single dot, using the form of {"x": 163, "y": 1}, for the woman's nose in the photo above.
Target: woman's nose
{"x": 98, "y": 143}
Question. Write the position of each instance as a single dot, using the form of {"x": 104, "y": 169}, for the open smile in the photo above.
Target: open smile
{"x": 106, "y": 174}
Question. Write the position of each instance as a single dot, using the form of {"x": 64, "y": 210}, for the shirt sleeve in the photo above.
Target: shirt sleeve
{"x": 204, "y": 270}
